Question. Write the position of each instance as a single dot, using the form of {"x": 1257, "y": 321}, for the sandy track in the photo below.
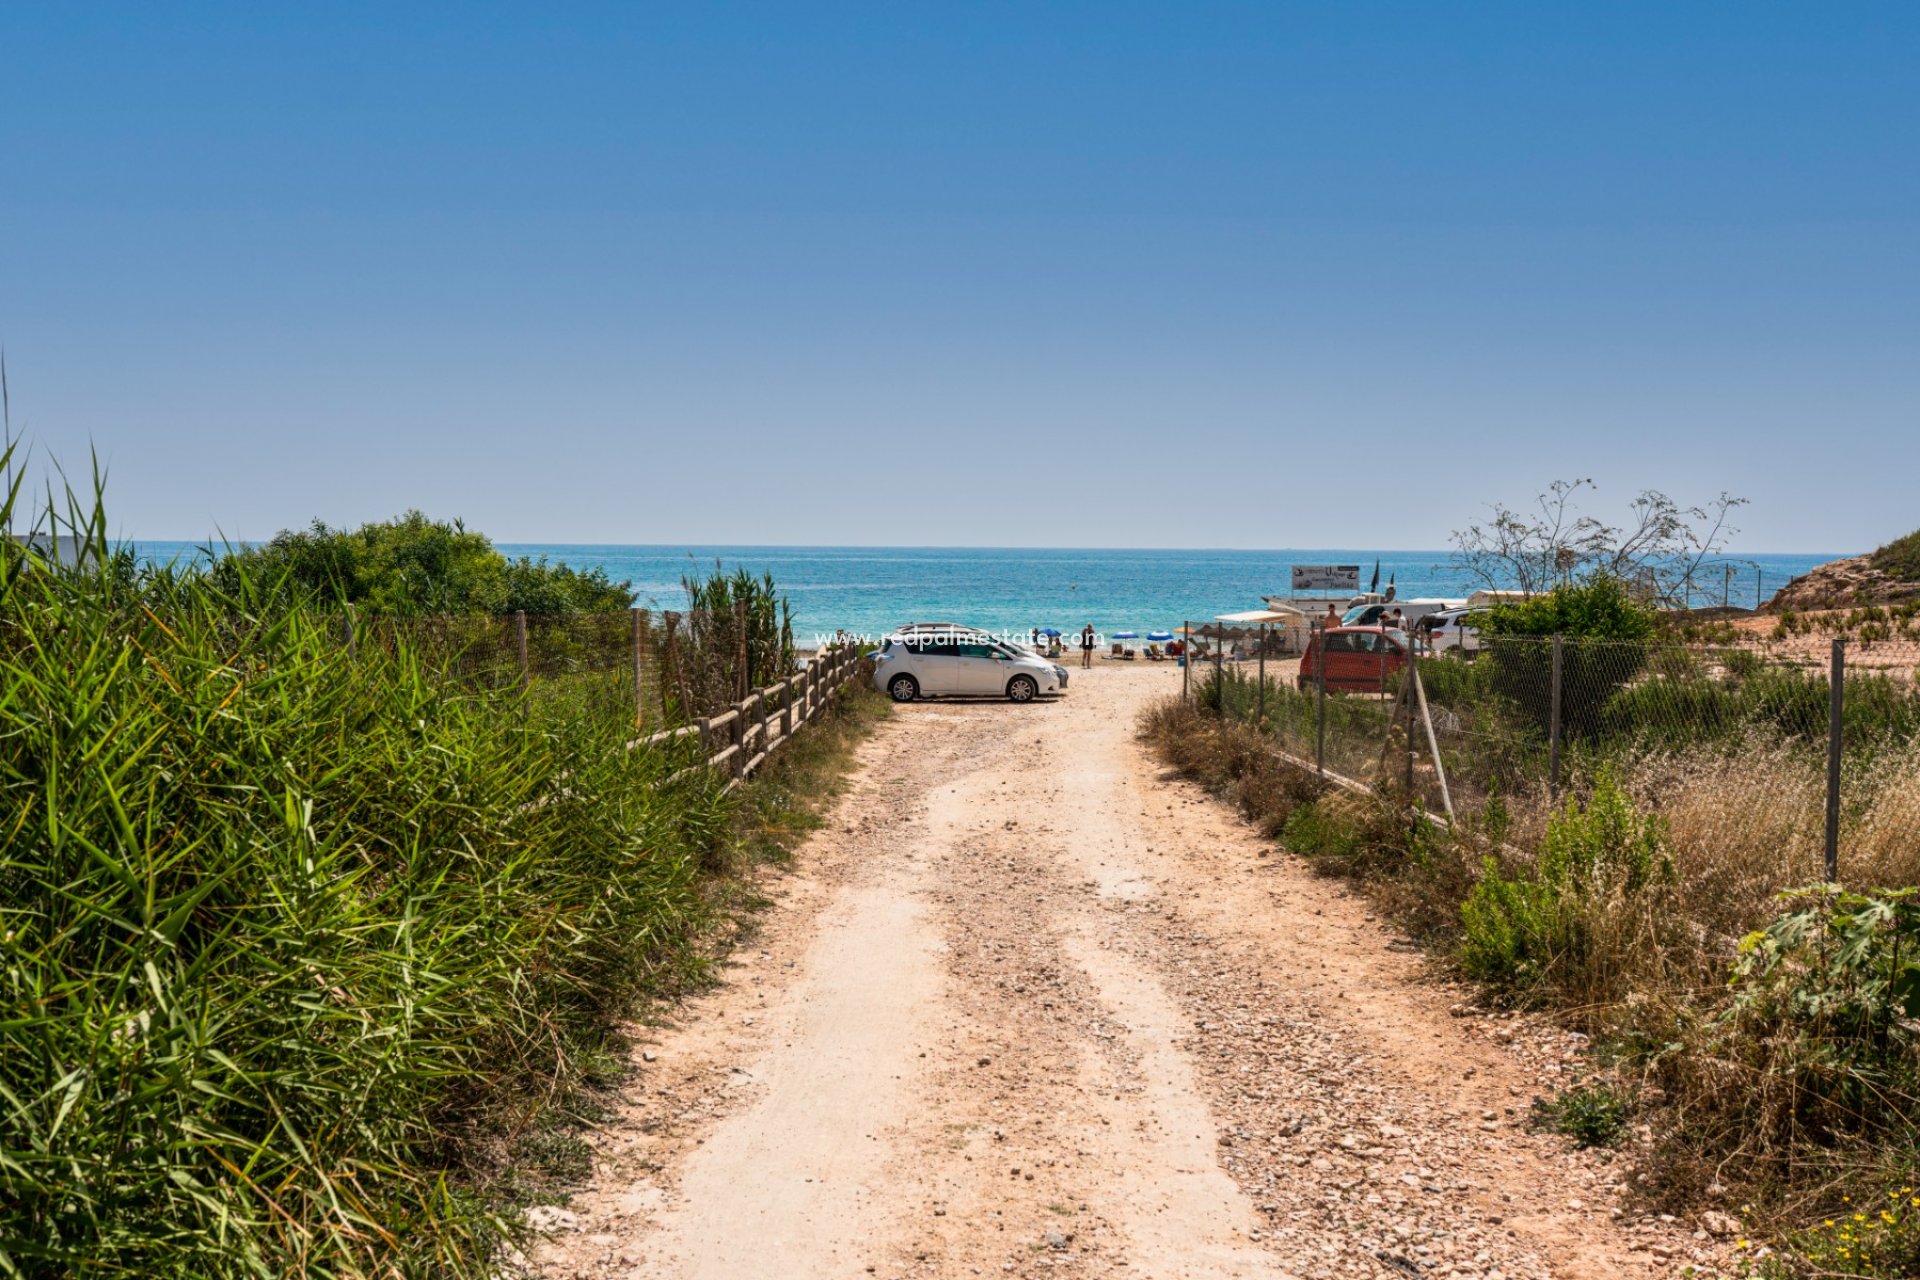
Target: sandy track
{"x": 1027, "y": 1007}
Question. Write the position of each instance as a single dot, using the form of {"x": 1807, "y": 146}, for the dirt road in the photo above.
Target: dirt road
{"x": 1027, "y": 1007}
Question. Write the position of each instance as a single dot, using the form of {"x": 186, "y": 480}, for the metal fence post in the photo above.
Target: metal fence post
{"x": 1836, "y": 707}
{"x": 1220, "y": 668}
{"x": 520, "y": 643}
{"x": 1411, "y": 681}
{"x": 1553, "y": 726}
{"x": 1318, "y": 640}
{"x": 1186, "y": 661}
{"x": 1260, "y": 713}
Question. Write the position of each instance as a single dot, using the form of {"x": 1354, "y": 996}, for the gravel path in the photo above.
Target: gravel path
{"x": 1027, "y": 1007}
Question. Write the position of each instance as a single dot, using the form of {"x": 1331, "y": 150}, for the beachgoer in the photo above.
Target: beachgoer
{"x": 1086, "y": 645}
{"x": 1333, "y": 615}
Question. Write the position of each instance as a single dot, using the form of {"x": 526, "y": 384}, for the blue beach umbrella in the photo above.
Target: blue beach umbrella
{"x": 1126, "y": 635}
{"x": 1049, "y": 631}
{"x": 1159, "y": 637}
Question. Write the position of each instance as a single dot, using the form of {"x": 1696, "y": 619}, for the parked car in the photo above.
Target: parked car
{"x": 1357, "y": 659}
{"x": 936, "y": 661}
{"x": 1370, "y": 613}
{"x": 1450, "y": 630}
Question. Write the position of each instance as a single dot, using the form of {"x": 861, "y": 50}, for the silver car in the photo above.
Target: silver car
{"x": 937, "y": 660}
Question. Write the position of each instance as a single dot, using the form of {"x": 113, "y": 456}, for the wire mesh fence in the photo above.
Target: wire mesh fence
{"x": 665, "y": 669}
{"x": 1742, "y": 747}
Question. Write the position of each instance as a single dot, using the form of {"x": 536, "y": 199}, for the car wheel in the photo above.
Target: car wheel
{"x": 1022, "y": 689}
{"x": 903, "y": 688}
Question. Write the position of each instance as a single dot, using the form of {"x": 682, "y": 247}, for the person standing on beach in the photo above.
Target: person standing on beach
{"x": 1086, "y": 645}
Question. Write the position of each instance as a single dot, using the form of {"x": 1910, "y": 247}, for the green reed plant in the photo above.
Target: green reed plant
{"x": 290, "y": 940}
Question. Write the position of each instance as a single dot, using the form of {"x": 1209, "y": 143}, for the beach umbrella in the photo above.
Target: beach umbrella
{"x": 1158, "y": 636}
{"x": 1126, "y": 635}
{"x": 1049, "y": 631}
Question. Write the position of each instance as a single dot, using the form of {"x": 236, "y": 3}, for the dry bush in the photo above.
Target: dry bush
{"x": 1742, "y": 825}
{"x": 1881, "y": 845}
{"x": 1234, "y": 761}
{"x": 1749, "y": 823}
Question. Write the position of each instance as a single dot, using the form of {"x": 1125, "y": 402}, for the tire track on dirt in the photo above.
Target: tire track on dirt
{"x": 1028, "y": 1008}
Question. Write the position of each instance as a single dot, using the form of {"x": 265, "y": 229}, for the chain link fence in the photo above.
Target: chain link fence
{"x": 1781, "y": 764}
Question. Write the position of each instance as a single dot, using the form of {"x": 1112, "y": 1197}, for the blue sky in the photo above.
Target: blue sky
{"x": 988, "y": 274}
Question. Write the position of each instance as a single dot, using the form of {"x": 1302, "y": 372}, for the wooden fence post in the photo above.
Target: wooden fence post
{"x": 674, "y": 680}
{"x": 740, "y": 738}
{"x": 640, "y": 687}
{"x": 520, "y": 642}
{"x": 743, "y": 674}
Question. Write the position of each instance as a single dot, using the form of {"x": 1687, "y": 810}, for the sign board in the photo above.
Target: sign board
{"x": 1326, "y": 577}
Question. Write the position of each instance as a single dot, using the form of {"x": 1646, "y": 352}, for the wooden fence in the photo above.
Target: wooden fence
{"x": 739, "y": 739}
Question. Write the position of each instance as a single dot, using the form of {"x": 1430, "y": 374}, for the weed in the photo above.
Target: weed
{"x": 1592, "y": 1115}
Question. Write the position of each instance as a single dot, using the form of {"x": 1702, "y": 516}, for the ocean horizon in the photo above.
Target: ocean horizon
{"x": 871, "y": 589}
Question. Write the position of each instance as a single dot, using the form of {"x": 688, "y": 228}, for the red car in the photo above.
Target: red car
{"x": 1358, "y": 659}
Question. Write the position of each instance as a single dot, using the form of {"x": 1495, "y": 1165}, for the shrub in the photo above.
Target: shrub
{"x": 1234, "y": 761}
{"x": 1610, "y": 630}
{"x": 1579, "y": 918}
{"x": 290, "y": 940}
{"x": 1808, "y": 1074}
{"x": 1899, "y": 558}
{"x": 1592, "y": 1115}
{"x": 1600, "y": 608}
{"x": 1873, "y": 1237}
{"x": 1841, "y": 974}
{"x": 413, "y": 566}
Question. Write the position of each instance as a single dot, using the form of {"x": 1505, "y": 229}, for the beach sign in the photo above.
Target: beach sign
{"x": 1326, "y": 577}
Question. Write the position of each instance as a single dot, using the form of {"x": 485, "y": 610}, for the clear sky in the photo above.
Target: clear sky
{"x": 1251, "y": 275}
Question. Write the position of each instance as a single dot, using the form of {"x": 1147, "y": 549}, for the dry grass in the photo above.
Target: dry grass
{"x": 1754, "y": 1101}
{"x": 1232, "y": 760}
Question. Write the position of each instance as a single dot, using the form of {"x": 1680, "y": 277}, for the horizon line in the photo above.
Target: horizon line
{"x": 956, "y": 546}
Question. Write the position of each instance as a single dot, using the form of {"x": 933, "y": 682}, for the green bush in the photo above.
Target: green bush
{"x": 1673, "y": 712}
{"x": 1600, "y": 608}
{"x": 286, "y": 937}
{"x": 1592, "y": 1115}
{"x": 1899, "y": 558}
{"x": 1608, "y": 632}
{"x": 1455, "y": 683}
{"x": 1321, "y": 831}
{"x": 1572, "y": 920}
{"x": 1843, "y": 970}
{"x": 414, "y": 566}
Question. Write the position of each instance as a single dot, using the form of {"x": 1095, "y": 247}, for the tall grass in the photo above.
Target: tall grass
{"x": 290, "y": 944}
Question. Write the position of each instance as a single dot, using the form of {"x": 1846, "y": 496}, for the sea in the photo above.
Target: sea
{"x": 869, "y": 590}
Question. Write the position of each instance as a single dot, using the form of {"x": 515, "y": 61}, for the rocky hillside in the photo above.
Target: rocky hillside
{"x": 1888, "y": 576}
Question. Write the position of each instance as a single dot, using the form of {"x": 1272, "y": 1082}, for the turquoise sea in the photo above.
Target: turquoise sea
{"x": 870, "y": 589}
